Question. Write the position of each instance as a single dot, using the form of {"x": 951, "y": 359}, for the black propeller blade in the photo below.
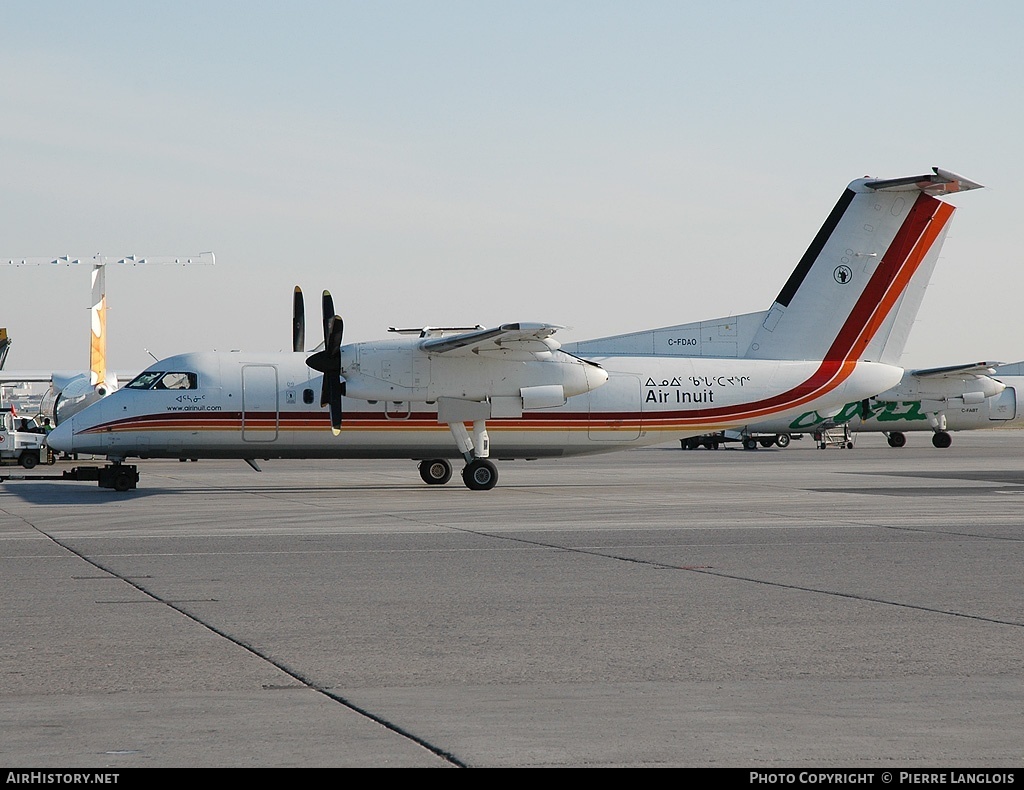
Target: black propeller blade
{"x": 328, "y": 362}
{"x": 298, "y": 322}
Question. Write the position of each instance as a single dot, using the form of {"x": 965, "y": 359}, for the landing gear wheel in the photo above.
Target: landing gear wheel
{"x": 942, "y": 439}
{"x": 782, "y": 440}
{"x": 436, "y": 471}
{"x": 896, "y": 439}
{"x": 750, "y": 444}
{"x": 29, "y": 459}
{"x": 480, "y": 475}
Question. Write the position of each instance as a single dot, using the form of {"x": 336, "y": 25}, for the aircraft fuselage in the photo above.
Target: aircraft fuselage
{"x": 243, "y": 405}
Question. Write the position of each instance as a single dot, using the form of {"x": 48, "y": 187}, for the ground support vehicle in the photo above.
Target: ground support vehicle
{"x": 27, "y": 448}
{"x": 750, "y": 441}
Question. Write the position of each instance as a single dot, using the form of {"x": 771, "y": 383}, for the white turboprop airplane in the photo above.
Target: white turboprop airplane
{"x": 978, "y": 396}
{"x": 856, "y": 290}
{"x": 71, "y": 391}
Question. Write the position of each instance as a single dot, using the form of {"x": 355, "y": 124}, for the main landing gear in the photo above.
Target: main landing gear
{"x": 479, "y": 474}
{"x": 435, "y": 472}
{"x": 896, "y": 439}
{"x": 940, "y": 439}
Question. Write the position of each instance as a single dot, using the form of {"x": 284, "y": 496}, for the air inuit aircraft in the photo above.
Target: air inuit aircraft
{"x": 849, "y": 303}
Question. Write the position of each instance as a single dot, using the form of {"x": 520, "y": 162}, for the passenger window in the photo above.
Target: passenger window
{"x": 307, "y": 396}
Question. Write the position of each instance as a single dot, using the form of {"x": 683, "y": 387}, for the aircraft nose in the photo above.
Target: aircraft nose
{"x": 61, "y": 438}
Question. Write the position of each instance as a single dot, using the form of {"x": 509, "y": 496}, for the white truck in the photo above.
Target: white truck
{"x": 27, "y": 448}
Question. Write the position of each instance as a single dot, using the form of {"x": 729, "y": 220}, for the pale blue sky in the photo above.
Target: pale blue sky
{"x": 610, "y": 166}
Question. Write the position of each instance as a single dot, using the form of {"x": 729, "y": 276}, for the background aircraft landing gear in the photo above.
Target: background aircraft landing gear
{"x": 480, "y": 475}
{"x": 896, "y": 439}
{"x": 942, "y": 439}
{"x": 436, "y": 471}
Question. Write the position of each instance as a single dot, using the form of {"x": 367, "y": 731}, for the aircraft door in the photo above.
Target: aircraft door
{"x": 1003, "y": 406}
{"x": 260, "y": 407}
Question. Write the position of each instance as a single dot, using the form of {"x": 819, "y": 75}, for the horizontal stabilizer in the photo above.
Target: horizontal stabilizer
{"x": 940, "y": 182}
{"x": 207, "y": 258}
{"x": 1011, "y": 369}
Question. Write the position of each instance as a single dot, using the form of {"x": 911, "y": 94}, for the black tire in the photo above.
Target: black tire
{"x": 749, "y": 444}
{"x": 435, "y": 471}
{"x": 123, "y": 481}
{"x": 782, "y": 440}
{"x": 766, "y": 442}
{"x": 897, "y": 439}
{"x": 29, "y": 459}
{"x": 941, "y": 439}
{"x": 480, "y": 475}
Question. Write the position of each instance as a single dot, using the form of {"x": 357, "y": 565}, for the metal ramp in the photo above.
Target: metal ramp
{"x": 834, "y": 436}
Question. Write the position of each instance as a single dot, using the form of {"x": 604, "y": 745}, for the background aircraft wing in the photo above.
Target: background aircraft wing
{"x": 957, "y": 371}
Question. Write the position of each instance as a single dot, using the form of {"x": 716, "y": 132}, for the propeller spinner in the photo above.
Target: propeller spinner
{"x": 328, "y": 361}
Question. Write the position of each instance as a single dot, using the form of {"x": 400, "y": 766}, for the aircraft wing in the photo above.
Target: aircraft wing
{"x": 495, "y": 339}
{"x": 958, "y": 371}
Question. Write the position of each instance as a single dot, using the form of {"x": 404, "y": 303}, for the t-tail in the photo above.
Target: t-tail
{"x": 854, "y": 294}
{"x": 98, "y": 378}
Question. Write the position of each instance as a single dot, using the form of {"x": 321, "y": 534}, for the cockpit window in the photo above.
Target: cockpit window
{"x": 144, "y": 380}
{"x": 177, "y": 381}
{"x": 159, "y": 380}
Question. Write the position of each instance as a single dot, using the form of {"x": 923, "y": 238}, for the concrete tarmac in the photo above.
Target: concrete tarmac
{"x": 657, "y": 607}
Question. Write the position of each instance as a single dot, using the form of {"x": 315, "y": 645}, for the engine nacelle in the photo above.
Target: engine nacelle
{"x": 398, "y": 371}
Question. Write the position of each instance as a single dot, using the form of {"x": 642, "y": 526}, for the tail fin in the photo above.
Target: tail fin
{"x": 98, "y": 335}
{"x": 857, "y": 289}
{"x": 5, "y": 346}
{"x": 854, "y": 294}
